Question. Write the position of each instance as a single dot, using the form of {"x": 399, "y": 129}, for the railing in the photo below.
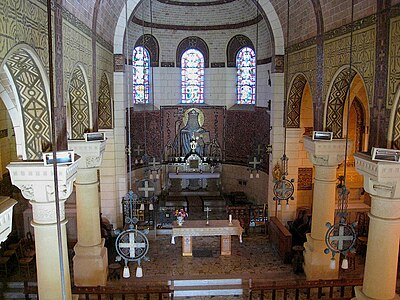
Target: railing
{"x": 119, "y": 292}
{"x": 302, "y": 289}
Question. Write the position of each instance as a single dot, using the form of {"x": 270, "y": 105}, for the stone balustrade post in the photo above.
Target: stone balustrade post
{"x": 91, "y": 258}
{"x": 36, "y": 182}
{"x": 382, "y": 182}
{"x": 325, "y": 156}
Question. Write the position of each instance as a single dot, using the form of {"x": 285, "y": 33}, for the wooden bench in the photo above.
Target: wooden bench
{"x": 281, "y": 239}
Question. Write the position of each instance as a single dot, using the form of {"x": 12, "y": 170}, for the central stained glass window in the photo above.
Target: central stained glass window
{"x": 141, "y": 74}
{"x": 192, "y": 72}
{"x": 246, "y": 76}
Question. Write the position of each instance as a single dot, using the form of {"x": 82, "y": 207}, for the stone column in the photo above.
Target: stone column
{"x": 325, "y": 156}
{"x": 382, "y": 182}
{"x": 91, "y": 259}
{"x": 36, "y": 183}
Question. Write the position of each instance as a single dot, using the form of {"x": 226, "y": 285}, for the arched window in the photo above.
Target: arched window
{"x": 192, "y": 70}
{"x": 141, "y": 74}
{"x": 246, "y": 76}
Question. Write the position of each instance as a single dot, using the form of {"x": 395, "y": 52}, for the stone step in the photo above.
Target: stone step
{"x": 207, "y": 287}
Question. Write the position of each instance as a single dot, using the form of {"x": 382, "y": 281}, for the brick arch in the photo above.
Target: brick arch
{"x": 294, "y": 101}
{"x": 150, "y": 43}
{"x": 192, "y": 42}
{"x": 336, "y": 99}
{"x": 105, "y": 115}
{"x": 26, "y": 96}
{"x": 79, "y": 108}
{"x": 234, "y": 45}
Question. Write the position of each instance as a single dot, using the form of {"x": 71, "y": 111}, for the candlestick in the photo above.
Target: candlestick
{"x": 230, "y": 218}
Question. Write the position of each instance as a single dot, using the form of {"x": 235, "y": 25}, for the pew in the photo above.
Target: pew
{"x": 281, "y": 239}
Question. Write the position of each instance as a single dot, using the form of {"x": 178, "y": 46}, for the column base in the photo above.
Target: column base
{"x": 90, "y": 265}
{"x": 361, "y": 296}
{"x": 316, "y": 262}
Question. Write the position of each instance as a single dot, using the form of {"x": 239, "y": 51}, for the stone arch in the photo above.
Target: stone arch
{"x": 105, "y": 113}
{"x": 295, "y": 95}
{"x": 336, "y": 98}
{"x": 26, "y": 95}
{"x": 394, "y": 123}
{"x": 79, "y": 118}
{"x": 234, "y": 45}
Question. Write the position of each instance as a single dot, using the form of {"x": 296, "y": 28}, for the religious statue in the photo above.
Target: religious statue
{"x": 193, "y": 131}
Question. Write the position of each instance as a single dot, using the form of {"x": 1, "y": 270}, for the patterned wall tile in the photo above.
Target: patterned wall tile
{"x": 294, "y": 101}
{"x": 305, "y": 179}
{"x": 393, "y": 81}
{"x": 105, "y": 105}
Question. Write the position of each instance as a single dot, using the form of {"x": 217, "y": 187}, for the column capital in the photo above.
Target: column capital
{"x": 326, "y": 153}
{"x": 36, "y": 181}
{"x": 91, "y": 153}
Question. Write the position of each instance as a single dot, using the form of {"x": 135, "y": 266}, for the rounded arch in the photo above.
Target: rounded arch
{"x": 394, "y": 123}
{"x": 267, "y": 10}
{"x": 192, "y": 42}
{"x": 26, "y": 95}
{"x": 79, "y": 108}
{"x": 295, "y": 95}
{"x": 150, "y": 43}
{"x": 105, "y": 111}
{"x": 236, "y": 43}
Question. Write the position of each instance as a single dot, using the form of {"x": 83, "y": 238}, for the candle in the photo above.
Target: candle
{"x": 230, "y": 218}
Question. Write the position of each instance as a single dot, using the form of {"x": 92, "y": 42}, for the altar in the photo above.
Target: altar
{"x": 191, "y": 228}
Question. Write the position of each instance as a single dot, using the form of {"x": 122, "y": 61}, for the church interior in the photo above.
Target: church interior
{"x": 224, "y": 149}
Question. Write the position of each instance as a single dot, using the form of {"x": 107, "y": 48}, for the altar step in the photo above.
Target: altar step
{"x": 207, "y": 287}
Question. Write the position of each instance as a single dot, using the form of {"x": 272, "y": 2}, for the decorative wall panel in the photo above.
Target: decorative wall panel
{"x": 303, "y": 61}
{"x": 79, "y": 104}
{"x": 337, "y": 54}
{"x": 77, "y": 49}
{"x": 34, "y": 103}
{"x": 294, "y": 101}
{"x": 305, "y": 179}
{"x": 23, "y": 21}
{"x": 105, "y": 106}
{"x": 396, "y": 129}
{"x": 336, "y": 101}
{"x": 394, "y": 61}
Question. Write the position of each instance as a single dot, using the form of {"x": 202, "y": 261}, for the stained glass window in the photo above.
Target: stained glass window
{"x": 141, "y": 70}
{"x": 192, "y": 71}
{"x": 246, "y": 76}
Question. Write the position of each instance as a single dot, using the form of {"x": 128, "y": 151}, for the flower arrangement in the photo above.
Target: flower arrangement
{"x": 181, "y": 213}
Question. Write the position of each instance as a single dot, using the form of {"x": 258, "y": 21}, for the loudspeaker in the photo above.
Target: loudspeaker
{"x": 381, "y": 154}
{"x": 322, "y": 136}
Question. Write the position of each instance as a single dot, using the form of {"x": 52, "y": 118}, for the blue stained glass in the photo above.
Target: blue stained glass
{"x": 192, "y": 72}
{"x": 141, "y": 74}
{"x": 246, "y": 76}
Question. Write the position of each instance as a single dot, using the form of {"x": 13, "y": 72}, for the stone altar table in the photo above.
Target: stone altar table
{"x": 191, "y": 228}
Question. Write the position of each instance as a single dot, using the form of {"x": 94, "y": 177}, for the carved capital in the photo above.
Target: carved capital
{"x": 91, "y": 153}
{"x": 326, "y": 153}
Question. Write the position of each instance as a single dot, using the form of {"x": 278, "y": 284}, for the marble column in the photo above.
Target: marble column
{"x": 36, "y": 183}
{"x": 382, "y": 182}
{"x": 91, "y": 258}
{"x": 325, "y": 156}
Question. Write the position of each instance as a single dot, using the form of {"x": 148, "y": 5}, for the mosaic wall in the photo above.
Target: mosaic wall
{"x": 23, "y": 21}
{"x": 393, "y": 81}
{"x": 79, "y": 104}
{"x": 294, "y": 104}
{"x": 33, "y": 100}
{"x": 304, "y": 180}
{"x": 396, "y": 129}
{"x": 337, "y": 54}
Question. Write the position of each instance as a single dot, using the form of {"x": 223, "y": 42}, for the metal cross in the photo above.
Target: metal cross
{"x": 138, "y": 150}
{"x": 259, "y": 149}
{"x": 154, "y": 163}
{"x": 255, "y": 162}
{"x": 132, "y": 245}
{"x": 207, "y": 209}
{"x": 341, "y": 237}
{"x": 146, "y": 188}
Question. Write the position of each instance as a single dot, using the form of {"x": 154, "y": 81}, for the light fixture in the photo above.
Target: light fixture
{"x": 141, "y": 206}
{"x": 151, "y": 207}
{"x": 257, "y": 174}
{"x": 126, "y": 273}
{"x": 139, "y": 271}
{"x": 251, "y": 174}
{"x": 345, "y": 263}
{"x": 332, "y": 264}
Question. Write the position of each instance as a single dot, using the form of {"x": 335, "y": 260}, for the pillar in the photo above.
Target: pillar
{"x": 91, "y": 258}
{"x": 325, "y": 156}
{"x": 36, "y": 183}
{"x": 382, "y": 182}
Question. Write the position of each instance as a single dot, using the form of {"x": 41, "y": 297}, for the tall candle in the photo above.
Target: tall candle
{"x": 230, "y": 218}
